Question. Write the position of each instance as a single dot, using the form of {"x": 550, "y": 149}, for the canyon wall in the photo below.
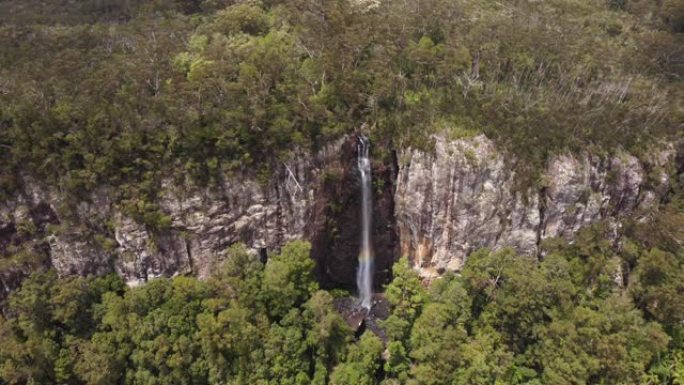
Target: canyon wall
{"x": 464, "y": 196}
{"x": 433, "y": 206}
{"x": 94, "y": 235}
{"x": 310, "y": 196}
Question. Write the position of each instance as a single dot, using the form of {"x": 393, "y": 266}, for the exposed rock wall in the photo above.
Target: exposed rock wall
{"x": 463, "y": 197}
{"x": 435, "y": 207}
{"x": 335, "y": 231}
{"x": 95, "y": 236}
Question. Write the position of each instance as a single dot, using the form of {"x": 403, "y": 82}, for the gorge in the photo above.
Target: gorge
{"x": 435, "y": 207}
{"x": 342, "y": 192}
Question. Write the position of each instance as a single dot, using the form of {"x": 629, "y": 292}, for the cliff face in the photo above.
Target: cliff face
{"x": 457, "y": 200}
{"x": 463, "y": 197}
{"x": 335, "y": 232}
{"x": 96, "y": 236}
{"x": 434, "y": 207}
{"x": 312, "y": 197}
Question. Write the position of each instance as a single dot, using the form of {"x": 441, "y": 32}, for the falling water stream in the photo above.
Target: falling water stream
{"x": 364, "y": 276}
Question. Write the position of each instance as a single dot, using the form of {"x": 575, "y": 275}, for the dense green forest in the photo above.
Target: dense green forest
{"x": 120, "y": 92}
{"x": 123, "y": 93}
{"x": 588, "y": 313}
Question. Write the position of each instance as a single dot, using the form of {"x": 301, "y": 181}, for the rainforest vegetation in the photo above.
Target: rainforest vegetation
{"x": 120, "y": 92}
{"x": 588, "y": 313}
{"x": 124, "y": 93}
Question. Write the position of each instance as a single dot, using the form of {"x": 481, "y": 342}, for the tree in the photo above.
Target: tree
{"x": 657, "y": 284}
{"x": 362, "y": 363}
{"x": 289, "y": 278}
{"x": 486, "y": 360}
{"x": 406, "y": 295}
{"x": 287, "y": 353}
{"x": 327, "y": 335}
{"x": 238, "y": 278}
{"x": 611, "y": 343}
{"x": 436, "y": 341}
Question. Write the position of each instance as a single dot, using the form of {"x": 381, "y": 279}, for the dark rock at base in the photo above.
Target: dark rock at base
{"x": 361, "y": 319}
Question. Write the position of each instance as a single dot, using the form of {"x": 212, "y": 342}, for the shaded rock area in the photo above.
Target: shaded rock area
{"x": 337, "y": 212}
{"x": 361, "y": 319}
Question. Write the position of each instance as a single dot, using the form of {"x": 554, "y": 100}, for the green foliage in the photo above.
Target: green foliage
{"x": 180, "y": 330}
{"x": 406, "y": 295}
{"x": 246, "y": 18}
{"x": 288, "y": 278}
{"x": 398, "y": 363}
{"x": 238, "y": 279}
{"x": 503, "y": 319}
{"x": 124, "y": 93}
{"x": 327, "y": 334}
{"x": 435, "y": 341}
{"x": 612, "y": 341}
{"x": 362, "y": 363}
{"x": 572, "y": 318}
{"x": 658, "y": 282}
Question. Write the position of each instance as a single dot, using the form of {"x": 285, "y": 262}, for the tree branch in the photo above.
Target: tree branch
{"x": 293, "y": 177}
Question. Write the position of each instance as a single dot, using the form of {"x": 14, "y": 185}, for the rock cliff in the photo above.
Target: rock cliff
{"x": 95, "y": 236}
{"x": 435, "y": 207}
{"x": 463, "y": 196}
{"x": 311, "y": 196}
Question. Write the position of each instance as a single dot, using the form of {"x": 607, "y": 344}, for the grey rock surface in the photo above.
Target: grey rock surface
{"x": 463, "y": 197}
{"x": 445, "y": 205}
{"x": 98, "y": 237}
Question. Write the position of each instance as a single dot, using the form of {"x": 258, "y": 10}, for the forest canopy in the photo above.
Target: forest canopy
{"x": 121, "y": 92}
{"x": 588, "y": 313}
{"x": 597, "y": 310}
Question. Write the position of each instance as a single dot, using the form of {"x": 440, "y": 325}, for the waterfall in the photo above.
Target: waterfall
{"x": 364, "y": 276}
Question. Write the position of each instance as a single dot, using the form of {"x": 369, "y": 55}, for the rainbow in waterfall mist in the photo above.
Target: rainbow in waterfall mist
{"x": 364, "y": 276}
